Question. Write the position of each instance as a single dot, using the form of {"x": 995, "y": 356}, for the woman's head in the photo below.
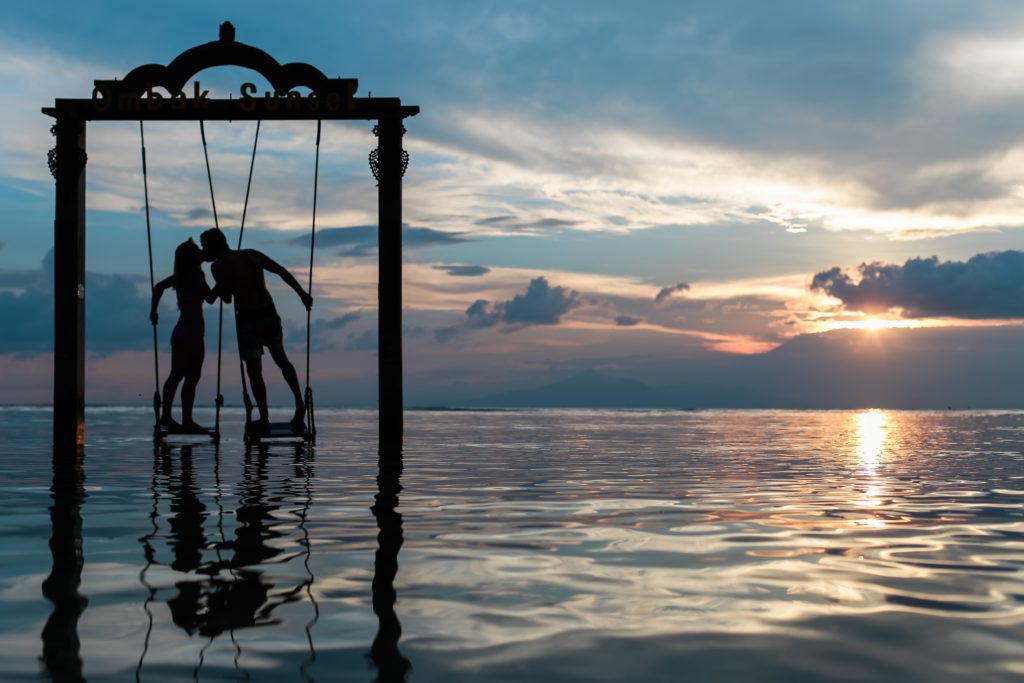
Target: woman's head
{"x": 188, "y": 256}
{"x": 188, "y": 273}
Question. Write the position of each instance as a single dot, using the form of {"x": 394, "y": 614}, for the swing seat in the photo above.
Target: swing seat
{"x": 162, "y": 432}
{"x": 276, "y": 430}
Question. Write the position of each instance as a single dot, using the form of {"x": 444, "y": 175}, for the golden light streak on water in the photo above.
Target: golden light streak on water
{"x": 872, "y": 437}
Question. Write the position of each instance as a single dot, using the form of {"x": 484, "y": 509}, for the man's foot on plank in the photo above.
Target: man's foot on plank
{"x": 191, "y": 427}
{"x": 298, "y": 423}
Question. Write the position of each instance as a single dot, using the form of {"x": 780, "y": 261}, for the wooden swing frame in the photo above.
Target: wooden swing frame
{"x": 138, "y": 97}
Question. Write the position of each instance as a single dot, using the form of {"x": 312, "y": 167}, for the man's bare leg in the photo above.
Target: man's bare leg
{"x": 291, "y": 378}
{"x": 254, "y": 368}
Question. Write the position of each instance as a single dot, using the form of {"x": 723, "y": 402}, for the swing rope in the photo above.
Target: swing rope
{"x": 245, "y": 209}
{"x": 248, "y": 185}
{"x": 310, "y": 421}
{"x": 220, "y": 315}
{"x": 152, "y": 280}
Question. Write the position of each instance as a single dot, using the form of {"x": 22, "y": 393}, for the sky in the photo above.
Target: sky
{"x": 654, "y": 191}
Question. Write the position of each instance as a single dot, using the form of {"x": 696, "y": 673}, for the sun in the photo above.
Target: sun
{"x": 875, "y": 324}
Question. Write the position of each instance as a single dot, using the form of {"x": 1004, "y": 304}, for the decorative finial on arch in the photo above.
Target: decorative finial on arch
{"x": 227, "y": 52}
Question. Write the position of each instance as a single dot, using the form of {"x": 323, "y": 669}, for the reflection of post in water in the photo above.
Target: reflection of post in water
{"x": 61, "y": 657}
{"x": 391, "y": 665}
{"x": 303, "y": 463}
{"x": 160, "y": 455}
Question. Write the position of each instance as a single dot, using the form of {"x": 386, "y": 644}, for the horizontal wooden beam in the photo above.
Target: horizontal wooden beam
{"x": 195, "y": 107}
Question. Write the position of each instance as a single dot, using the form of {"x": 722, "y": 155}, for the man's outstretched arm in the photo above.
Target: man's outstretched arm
{"x": 289, "y": 279}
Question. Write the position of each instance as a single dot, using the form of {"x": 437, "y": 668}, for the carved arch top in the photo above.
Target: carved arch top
{"x": 227, "y": 52}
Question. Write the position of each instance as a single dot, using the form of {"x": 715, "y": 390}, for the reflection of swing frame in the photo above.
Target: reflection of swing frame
{"x": 221, "y": 586}
{"x": 134, "y": 99}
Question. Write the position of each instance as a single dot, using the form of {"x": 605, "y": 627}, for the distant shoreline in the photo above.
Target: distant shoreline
{"x": 513, "y": 409}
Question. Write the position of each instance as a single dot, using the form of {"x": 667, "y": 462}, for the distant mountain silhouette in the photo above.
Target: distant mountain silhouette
{"x": 588, "y": 389}
{"x": 923, "y": 368}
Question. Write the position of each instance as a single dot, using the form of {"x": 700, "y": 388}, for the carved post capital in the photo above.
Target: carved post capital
{"x": 54, "y": 158}
{"x": 374, "y": 157}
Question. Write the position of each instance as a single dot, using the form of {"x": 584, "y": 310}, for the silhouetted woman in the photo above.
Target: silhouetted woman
{"x": 187, "y": 340}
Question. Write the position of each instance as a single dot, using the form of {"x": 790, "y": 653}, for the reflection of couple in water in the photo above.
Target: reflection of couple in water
{"x": 238, "y": 277}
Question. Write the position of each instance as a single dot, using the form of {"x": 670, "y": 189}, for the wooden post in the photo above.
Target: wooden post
{"x": 68, "y": 167}
{"x": 389, "y": 287}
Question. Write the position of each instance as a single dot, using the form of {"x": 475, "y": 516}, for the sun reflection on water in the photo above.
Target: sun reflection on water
{"x": 872, "y": 437}
{"x": 873, "y": 427}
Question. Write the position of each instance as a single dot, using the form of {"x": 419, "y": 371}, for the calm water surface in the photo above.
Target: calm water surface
{"x": 515, "y": 546}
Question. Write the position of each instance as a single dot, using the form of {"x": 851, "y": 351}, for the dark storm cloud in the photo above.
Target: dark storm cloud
{"x": 443, "y": 335}
{"x": 627, "y": 320}
{"x": 511, "y": 222}
{"x": 27, "y": 314}
{"x": 667, "y": 292}
{"x": 552, "y": 223}
{"x": 198, "y": 214}
{"x": 464, "y": 271}
{"x": 482, "y": 314}
{"x": 338, "y": 237}
{"x": 363, "y": 341}
{"x": 986, "y": 286}
{"x": 495, "y": 220}
{"x": 320, "y": 326}
{"x": 25, "y": 279}
{"x": 116, "y": 312}
{"x": 361, "y": 240}
{"x": 541, "y": 304}
{"x": 341, "y": 321}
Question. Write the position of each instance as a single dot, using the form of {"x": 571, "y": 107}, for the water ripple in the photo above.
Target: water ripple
{"x": 540, "y": 545}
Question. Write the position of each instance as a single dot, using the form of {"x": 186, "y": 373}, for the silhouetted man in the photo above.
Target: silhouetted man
{"x": 239, "y": 276}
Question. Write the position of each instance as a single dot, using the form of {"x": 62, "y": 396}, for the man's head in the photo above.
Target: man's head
{"x": 214, "y": 244}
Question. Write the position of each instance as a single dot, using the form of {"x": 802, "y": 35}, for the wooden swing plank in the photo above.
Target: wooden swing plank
{"x": 161, "y": 433}
{"x": 278, "y": 430}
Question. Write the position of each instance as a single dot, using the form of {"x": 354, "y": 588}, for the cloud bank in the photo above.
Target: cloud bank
{"x": 541, "y": 304}
{"x": 116, "y": 311}
{"x": 985, "y": 286}
{"x": 361, "y": 240}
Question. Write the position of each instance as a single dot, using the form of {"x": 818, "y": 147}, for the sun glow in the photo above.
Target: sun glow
{"x": 874, "y": 324}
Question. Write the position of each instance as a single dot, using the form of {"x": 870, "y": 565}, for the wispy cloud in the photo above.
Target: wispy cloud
{"x": 666, "y": 292}
{"x": 463, "y": 270}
